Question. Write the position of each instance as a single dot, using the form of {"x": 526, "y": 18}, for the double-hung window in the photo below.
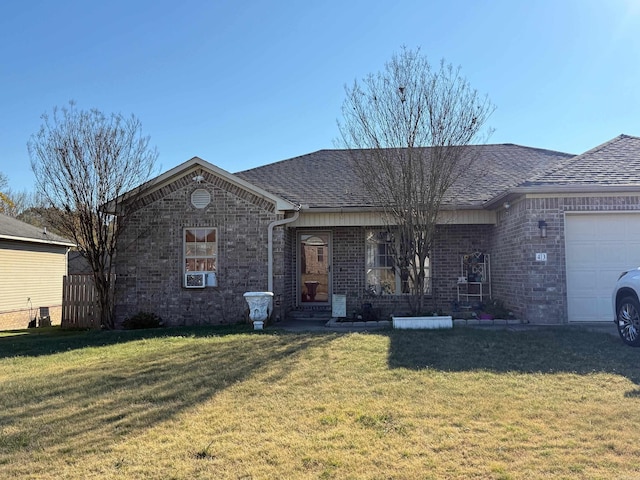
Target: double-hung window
{"x": 382, "y": 276}
{"x": 200, "y": 257}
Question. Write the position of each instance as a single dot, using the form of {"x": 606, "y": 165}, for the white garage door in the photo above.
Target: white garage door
{"x": 598, "y": 248}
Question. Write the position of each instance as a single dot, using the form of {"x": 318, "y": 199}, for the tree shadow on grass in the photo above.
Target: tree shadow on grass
{"x": 35, "y": 342}
{"x": 543, "y": 350}
{"x": 88, "y": 400}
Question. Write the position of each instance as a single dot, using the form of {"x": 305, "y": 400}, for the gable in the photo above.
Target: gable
{"x": 205, "y": 178}
{"x": 199, "y": 172}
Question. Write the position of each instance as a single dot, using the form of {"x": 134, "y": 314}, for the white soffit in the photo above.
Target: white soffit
{"x": 354, "y": 219}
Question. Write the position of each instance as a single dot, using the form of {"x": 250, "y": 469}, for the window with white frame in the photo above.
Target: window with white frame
{"x": 382, "y": 277}
{"x": 200, "y": 256}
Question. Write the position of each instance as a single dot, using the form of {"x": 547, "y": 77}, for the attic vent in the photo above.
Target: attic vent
{"x": 200, "y": 198}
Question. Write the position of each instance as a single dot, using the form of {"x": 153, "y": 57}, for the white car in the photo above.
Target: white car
{"x": 626, "y": 307}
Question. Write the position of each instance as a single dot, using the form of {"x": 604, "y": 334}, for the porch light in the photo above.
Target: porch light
{"x": 542, "y": 225}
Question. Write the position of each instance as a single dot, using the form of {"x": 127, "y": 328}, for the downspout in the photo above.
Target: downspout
{"x": 272, "y": 225}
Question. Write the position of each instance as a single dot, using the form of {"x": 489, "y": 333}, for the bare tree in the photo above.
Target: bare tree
{"x": 14, "y": 202}
{"x": 388, "y": 120}
{"x": 7, "y": 205}
{"x": 41, "y": 217}
{"x": 82, "y": 160}
{"x": 20, "y": 202}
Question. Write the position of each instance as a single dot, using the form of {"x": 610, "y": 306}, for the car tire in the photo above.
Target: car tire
{"x": 628, "y": 321}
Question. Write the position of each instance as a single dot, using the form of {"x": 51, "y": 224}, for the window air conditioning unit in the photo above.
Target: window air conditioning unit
{"x": 195, "y": 280}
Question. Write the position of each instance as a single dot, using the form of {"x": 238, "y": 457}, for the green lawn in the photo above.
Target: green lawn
{"x": 232, "y": 403}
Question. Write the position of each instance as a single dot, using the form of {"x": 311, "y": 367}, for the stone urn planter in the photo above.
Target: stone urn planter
{"x": 413, "y": 323}
{"x": 259, "y": 303}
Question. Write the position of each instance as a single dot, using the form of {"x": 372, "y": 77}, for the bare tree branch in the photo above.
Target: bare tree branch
{"x": 408, "y": 128}
{"x": 7, "y": 202}
{"x": 83, "y": 159}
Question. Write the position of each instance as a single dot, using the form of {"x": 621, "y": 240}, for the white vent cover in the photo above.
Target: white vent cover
{"x": 200, "y": 198}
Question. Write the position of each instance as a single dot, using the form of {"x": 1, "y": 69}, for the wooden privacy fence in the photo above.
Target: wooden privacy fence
{"x": 80, "y": 302}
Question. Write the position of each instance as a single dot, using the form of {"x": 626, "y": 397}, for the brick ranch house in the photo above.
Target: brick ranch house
{"x": 545, "y": 232}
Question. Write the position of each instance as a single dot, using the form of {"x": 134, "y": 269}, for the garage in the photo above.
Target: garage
{"x": 599, "y": 246}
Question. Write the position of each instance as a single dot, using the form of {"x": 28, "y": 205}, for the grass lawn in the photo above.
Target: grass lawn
{"x": 232, "y": 403}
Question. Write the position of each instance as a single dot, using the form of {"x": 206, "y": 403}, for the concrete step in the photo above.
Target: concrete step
{"x": 308, "y": 314}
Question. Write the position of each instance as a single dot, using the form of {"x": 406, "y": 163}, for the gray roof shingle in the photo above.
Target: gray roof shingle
{"x": 15, "y": 229}
{"x": 614, "y": 163}
{"x": 325, "y": 178}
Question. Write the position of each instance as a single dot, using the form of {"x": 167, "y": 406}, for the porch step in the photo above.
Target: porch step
{"x": 309, "y": 315}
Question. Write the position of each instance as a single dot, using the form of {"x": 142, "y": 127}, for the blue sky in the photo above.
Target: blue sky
{"x": 243, "y": 84}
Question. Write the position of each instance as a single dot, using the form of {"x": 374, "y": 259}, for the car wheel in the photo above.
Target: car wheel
{"x": 629, "y": 321}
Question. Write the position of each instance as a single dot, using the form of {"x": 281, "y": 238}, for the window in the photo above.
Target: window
{"x": 200, "y": 254}
{"x": 381, "y": 275}
{"x": 320, "y": 252}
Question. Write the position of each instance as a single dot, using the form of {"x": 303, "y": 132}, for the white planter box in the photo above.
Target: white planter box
{"x": 406, "y": 323}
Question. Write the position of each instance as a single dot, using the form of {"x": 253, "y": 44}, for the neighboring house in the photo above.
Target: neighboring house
{"x": 545, "y": 232}
{"x": 78, "y": 264}
{"x": 33, "y": 263}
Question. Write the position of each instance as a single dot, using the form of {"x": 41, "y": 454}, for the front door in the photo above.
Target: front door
{"x": 314, "y": 269}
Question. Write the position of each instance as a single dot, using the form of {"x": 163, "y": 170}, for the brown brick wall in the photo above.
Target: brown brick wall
{"x": 515, "y": 271}
{"x": 348, "y": 266}
{"x": 281, "y": 271}
{"x": 287, "y": 299}
{"x": 149, "y": 264}
{"x": 452, "y": 243}
{"x": 536, "y": 291}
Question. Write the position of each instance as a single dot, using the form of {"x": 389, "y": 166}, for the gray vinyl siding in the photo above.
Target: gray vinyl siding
{"x": 31, "y": 270}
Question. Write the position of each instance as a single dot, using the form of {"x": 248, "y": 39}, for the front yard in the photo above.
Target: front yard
{"x": 232, "y": 403}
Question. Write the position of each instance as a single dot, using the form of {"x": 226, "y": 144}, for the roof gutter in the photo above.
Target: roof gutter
{"x": 36, "y": 240}
{"x": 382, "y": 209}
{"x": 559, "y": 189}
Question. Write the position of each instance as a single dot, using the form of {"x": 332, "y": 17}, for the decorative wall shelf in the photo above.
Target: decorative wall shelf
{"x": 474, "y": 284}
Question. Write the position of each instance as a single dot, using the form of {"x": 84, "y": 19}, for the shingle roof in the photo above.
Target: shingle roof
{"x": 16, "y": 230}
{"x": 615, "y": 163}
{"x": 325, "y": 178}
